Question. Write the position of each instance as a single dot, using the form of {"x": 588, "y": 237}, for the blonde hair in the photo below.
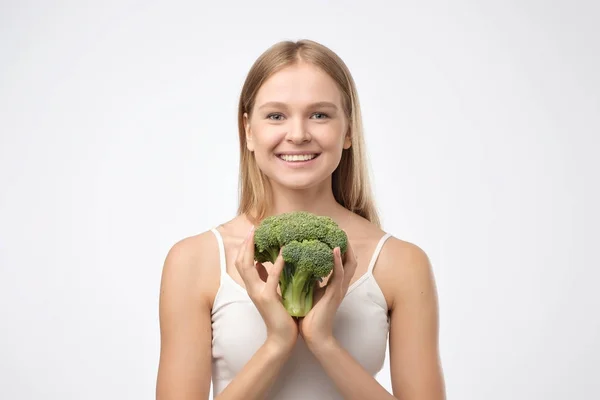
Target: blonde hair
{"x": 350, "y": 181}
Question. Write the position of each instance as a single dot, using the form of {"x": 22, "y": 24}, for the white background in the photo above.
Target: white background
{"x": 118, "y": 138}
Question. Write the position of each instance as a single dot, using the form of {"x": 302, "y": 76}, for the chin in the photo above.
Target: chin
{"x": 299, "y": 182}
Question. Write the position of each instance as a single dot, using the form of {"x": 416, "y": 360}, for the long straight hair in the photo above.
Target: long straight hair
{"x": 350, "y": 181}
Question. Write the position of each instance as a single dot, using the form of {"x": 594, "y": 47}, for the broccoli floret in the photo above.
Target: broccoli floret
{"x": 307, "y": 241}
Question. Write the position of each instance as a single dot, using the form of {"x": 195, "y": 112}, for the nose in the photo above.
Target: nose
{"x": 297, "y": 132}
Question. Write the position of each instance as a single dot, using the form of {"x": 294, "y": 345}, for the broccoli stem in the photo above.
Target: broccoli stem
{"x": 273, "y": 253}
{"x": 298, "y": 294}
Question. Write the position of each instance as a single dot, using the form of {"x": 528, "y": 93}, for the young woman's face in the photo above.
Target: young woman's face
{"x": 298, "y": 115}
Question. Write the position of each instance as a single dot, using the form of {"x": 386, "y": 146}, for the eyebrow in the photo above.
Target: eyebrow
{"x": 321, "y": 104}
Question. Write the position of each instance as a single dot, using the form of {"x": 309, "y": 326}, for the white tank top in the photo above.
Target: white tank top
{"x": 361, "y": 326}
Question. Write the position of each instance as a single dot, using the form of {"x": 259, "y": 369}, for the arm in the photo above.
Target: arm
{"x": 185, "y": 328}
{"x": 257, "y": 376}
{"x": 415, "y": 368}
{"x": 351, "y": 379}
{"x": 184, "y": 372}
{"x": 414, "y": 350}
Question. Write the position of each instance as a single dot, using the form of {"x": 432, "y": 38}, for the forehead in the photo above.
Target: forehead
{"x": 299, "y": 84}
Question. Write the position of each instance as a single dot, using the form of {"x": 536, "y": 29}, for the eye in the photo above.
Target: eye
{"x": 275, "y": 117}
{"x": 320, "y": 115}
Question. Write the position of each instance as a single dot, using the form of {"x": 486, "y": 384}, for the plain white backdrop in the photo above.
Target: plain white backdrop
{"x": 119, "y": 138}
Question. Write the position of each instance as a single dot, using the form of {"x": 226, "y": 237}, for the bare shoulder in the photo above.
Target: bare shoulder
{"x": 404, "y": 270}
{"x": 192, "y": 266}
{"x": 194, "y": 262}
{"x": 190, "y": 279}
{"x": 406, "y": 278}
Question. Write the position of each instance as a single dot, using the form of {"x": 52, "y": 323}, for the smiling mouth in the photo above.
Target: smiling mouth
{"x": 297, "y": 157}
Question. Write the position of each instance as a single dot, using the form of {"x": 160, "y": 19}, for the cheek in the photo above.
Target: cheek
{"x": 267, "y": 137}
{"x": 329, "y": 136}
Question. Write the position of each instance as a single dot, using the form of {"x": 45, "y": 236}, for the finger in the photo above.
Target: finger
{"x": 334, "y": 285}
{"x": 337, "y": 276}
{"x": 239, "y": 260}
{"x": 245, "y": 261}
{"x": 248, "y": 259}
{"x": 318, "y": 292}
{"x": 275, "y": 273}
{"x": 349, "y": 253}
{"x": 350, "y": 264}
{"x": 262, "y": 271}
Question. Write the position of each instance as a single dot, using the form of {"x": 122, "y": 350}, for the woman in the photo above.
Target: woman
{"x": 301, "y": 148}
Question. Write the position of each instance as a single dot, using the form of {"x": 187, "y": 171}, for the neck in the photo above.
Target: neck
{"x": 318, "y": 200}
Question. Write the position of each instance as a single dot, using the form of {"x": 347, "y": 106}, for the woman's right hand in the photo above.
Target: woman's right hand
{"x": 261, "y": 286}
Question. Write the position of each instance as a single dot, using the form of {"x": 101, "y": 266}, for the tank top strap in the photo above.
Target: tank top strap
{"x": 222, "y": 261}
{"x": 377, "y": 251}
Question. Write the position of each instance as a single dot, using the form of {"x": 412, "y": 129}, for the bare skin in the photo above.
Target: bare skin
{"x": 289, "y": 116}
{"x": 402, "y": 272}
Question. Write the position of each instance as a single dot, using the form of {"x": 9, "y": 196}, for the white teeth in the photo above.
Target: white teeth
{"x": 298, "y": 157}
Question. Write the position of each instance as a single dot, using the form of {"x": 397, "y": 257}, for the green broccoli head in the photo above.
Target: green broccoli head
{"x": 307, "y": 242}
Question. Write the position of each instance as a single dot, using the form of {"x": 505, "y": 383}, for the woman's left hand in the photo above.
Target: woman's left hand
{"x": 317, "y": 326}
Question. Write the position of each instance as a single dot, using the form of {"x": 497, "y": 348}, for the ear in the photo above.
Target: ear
{"x": 347, "y": 141}
{"x": 248, "y": 131}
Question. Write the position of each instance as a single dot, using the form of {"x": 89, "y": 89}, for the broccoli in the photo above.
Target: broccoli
{"x": 306, "y": 242}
